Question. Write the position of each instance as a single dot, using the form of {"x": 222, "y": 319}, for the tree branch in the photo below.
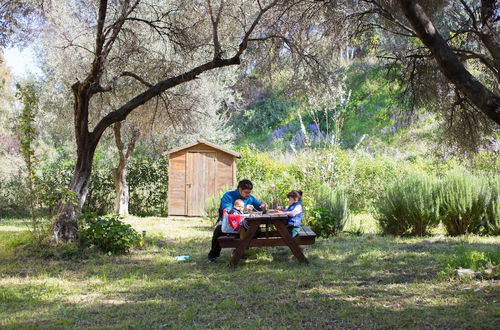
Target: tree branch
{"x": 155, "y": 90}
{"x": 449, "y": 64}
{"x": 244, "y": 42}
{"x": 136, "y": 77}
{"x": 215, "y": 26}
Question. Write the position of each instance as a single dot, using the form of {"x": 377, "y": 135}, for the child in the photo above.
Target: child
{"x": 238, "y": 208}
{"x": 294, "y": 212}
{"x": 233, "y": 220}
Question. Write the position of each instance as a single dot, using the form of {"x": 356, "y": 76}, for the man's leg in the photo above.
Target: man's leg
{"x": 215, "y": 251}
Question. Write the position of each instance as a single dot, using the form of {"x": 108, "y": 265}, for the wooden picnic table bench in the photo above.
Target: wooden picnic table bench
{"x": 278, "y": 237}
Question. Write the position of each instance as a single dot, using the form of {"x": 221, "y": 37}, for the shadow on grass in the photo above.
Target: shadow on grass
{"x": 351, "y": 282}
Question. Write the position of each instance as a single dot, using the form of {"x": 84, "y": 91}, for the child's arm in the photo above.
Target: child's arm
{"x": 295, "y": 211}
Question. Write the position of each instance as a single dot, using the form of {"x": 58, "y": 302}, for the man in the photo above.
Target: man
{"x": 243, "y": 192}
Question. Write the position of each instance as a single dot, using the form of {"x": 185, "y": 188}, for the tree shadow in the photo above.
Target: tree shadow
{"x": 350, "y": 283}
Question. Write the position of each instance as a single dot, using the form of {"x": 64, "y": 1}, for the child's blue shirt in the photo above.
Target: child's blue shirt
{"x": 296, "y": 220}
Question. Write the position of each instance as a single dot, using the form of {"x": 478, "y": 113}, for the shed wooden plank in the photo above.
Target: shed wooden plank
{"x": 177, "y": 184}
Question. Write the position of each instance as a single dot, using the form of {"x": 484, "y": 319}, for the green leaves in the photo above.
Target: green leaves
{"x": 464, "y": 203}
{"x": 108, "y": 233}
{"x": 409, "y": 206}
{"x": 465, "y": 199}
{"x": 27, "y": 130}
{"x": 27, "y": 138}
{"x": 492, "y": 217}
{"x": 329, "y": 214}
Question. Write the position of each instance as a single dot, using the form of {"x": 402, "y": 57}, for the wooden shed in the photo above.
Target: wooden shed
{"x": 195, "y": 172}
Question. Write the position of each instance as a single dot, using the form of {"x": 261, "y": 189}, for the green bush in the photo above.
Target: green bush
{"x": 329, "y": 213}
{"x": 465, "y": 257}
{"x": 258, "y": 166}
{"x": 367, "y": 177}
{"x": 492, "y": 219}
{"x": 410, "y": 205}
{"x": 212, "y": 205}
{"x": 264, "y": 113}
{"x": 11, "y": 196}
{"x": 464, "y": 200}
{"x": 147, "y": 179}
{"x": 148, "y": 183}
{"x": 108, "y": 233}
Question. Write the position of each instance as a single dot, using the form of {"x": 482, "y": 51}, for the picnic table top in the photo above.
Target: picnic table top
{"x": 267, "y": 216}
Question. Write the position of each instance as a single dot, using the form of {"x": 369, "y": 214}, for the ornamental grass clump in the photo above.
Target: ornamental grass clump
{"x": 409, "y": 206}
{"x": 329, "y": 214}
{"x": 464, "y": 201}
{"x": 492, "y": 217}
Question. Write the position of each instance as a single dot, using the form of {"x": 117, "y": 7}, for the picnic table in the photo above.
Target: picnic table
{"x": 278, "y": 237}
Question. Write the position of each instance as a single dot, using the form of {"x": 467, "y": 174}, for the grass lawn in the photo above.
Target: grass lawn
{"x": 365, "y": 282}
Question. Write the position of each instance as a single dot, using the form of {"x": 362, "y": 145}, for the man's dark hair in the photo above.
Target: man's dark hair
{"x": 245, "y": 184}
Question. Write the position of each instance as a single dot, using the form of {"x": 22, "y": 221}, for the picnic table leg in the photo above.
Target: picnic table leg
{"x": 245, "y": 242}
{"x": 296, "y": 250}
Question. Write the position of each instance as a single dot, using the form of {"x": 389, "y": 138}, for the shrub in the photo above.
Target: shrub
{"x": 464, "y": 257}
{"x": 101, "y": 189}
{"x": 464, "y": 200}
{"x": 329, "y": 214}
{"x": 257, "y": 166}
{"x": 108, "y": 233}
{"x": 277, "y": 189}
{"x": 367, "y": 177}
{"x": 492, "y": 219}
{"x": 410, "y": 205}
{"x": 148, "y": 182}
{"x": 11, "y": 196}
{"x": 212, "y": 205}
{"x": 264, "y": 112}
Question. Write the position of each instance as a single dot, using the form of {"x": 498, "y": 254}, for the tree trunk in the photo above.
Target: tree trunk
{"x": 121, "y": 188}
{"x": 65, "y": 227}
{"x": 449, "y": 64}
{"x": 120, "y": 173}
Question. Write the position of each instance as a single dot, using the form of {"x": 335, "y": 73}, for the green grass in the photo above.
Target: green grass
{"x": 366, "y": 282}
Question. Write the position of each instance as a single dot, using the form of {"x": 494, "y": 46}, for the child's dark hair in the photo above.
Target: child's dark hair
{"x": 295, "y": 194}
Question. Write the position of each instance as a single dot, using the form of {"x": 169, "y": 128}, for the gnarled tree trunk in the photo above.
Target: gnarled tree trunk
{"x": 65, "y": 225}
{"x": 478, "y": 94}
{"x": 121, "y": 171}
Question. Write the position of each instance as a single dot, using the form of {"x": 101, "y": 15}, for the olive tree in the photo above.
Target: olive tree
{"x": 449, "y": 55}
{"x": 153, "y": 48}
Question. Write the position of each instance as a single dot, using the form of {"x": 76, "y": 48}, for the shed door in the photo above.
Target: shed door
{"x": 200, "y": 183}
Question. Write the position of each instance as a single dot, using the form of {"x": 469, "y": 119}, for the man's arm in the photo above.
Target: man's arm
{"x": 226, "y": 202}
{"x": 256, "y": 204}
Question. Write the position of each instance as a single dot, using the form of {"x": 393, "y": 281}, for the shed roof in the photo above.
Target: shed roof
{"x": 203, "y": 141}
